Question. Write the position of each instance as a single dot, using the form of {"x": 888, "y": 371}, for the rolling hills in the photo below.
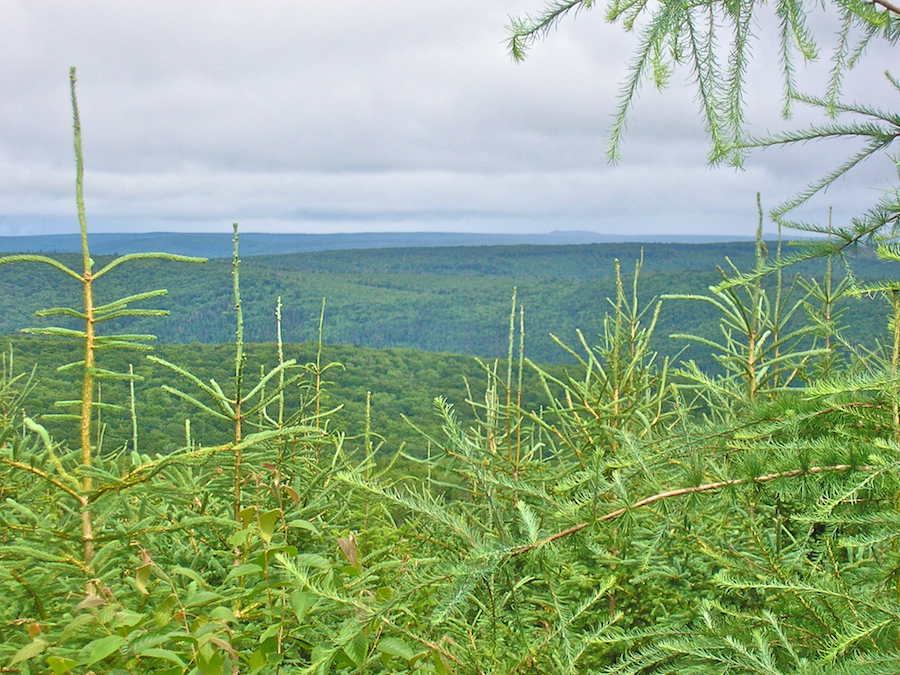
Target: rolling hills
{"x": 446, "y": 299}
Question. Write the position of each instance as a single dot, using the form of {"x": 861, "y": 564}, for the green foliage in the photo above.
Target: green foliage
{"x": 762, "y": 348}
{"x": 623, "y": 390}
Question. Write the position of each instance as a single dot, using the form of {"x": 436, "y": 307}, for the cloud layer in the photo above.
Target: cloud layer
{"x": 319, "y": 116}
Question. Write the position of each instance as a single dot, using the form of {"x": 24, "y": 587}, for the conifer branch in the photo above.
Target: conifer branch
{"x": 707, "y": 487}
{"x": 41, "y": 474}
{"x": 35, "y": 597}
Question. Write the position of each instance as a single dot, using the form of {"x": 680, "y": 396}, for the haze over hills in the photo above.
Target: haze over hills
{"x": 218, "y": 245}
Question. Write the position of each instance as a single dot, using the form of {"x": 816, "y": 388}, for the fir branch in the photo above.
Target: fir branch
{"x": 149, "y": 256}
{"x": 22, "y": 466}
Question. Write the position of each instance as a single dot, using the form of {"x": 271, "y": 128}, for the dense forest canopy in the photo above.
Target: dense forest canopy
{"x": 452, "y": 300}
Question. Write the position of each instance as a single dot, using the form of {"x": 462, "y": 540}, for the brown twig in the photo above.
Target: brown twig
{"x": 888, "y": 6}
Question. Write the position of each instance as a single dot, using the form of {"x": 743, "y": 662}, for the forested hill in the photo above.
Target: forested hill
{"x": 449, "y": 299}
{"x": 587, "y": 261}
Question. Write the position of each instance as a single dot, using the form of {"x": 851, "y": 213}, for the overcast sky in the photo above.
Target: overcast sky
{"x": 357, "y": 115}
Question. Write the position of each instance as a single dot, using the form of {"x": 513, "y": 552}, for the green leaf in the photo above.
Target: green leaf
{"x": 141, "y": 577}
{"x": 61, "y": 666}
{"x": 29, "y": 651}
{"x": 165, "y": 654}
{"x": 200, "y": 598}
{"x": 439, "y": 666}
{"x": 321, "y": 658}
{"x": 396, "y": 647}
{"x": 258, "y": 660}
{"x": 142, "y": 643}
{"x": 104, "y": 647}
{"x": 244, "y": 571}
{"x": 357, "y": 649}
{"x": 74, "y": 625}
{"x": 303, "y": 602}
{"x": 269, "y": 635}
{"x": 239, "y": 538}
{"x": 177, "y": 670}
{"x": 264, "y": 558}
{"x": 223, "y": 614}
{"x": 130, "y": 619}
{"x": 304, "y": 525}
{"x": 163, "y": 614}
{"x": 212, "y": 665}
{"x": 190, "y": 574}
{"x": 267, "y": 522}
{"x": 267, "y": 654}
{"x": 91, "y": 601}
{"x": 247, "y": 516}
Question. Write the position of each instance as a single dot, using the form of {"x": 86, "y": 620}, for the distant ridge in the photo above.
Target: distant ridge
{"x": 215, "y": 245}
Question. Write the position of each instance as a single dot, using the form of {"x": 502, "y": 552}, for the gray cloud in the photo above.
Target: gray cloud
{"x": 321, "y": 116}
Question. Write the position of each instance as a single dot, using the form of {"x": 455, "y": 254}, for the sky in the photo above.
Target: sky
{"x": 322, "y": 116}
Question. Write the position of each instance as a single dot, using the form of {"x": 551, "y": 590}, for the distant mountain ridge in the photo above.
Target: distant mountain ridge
{"x": 218, "y": 245}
